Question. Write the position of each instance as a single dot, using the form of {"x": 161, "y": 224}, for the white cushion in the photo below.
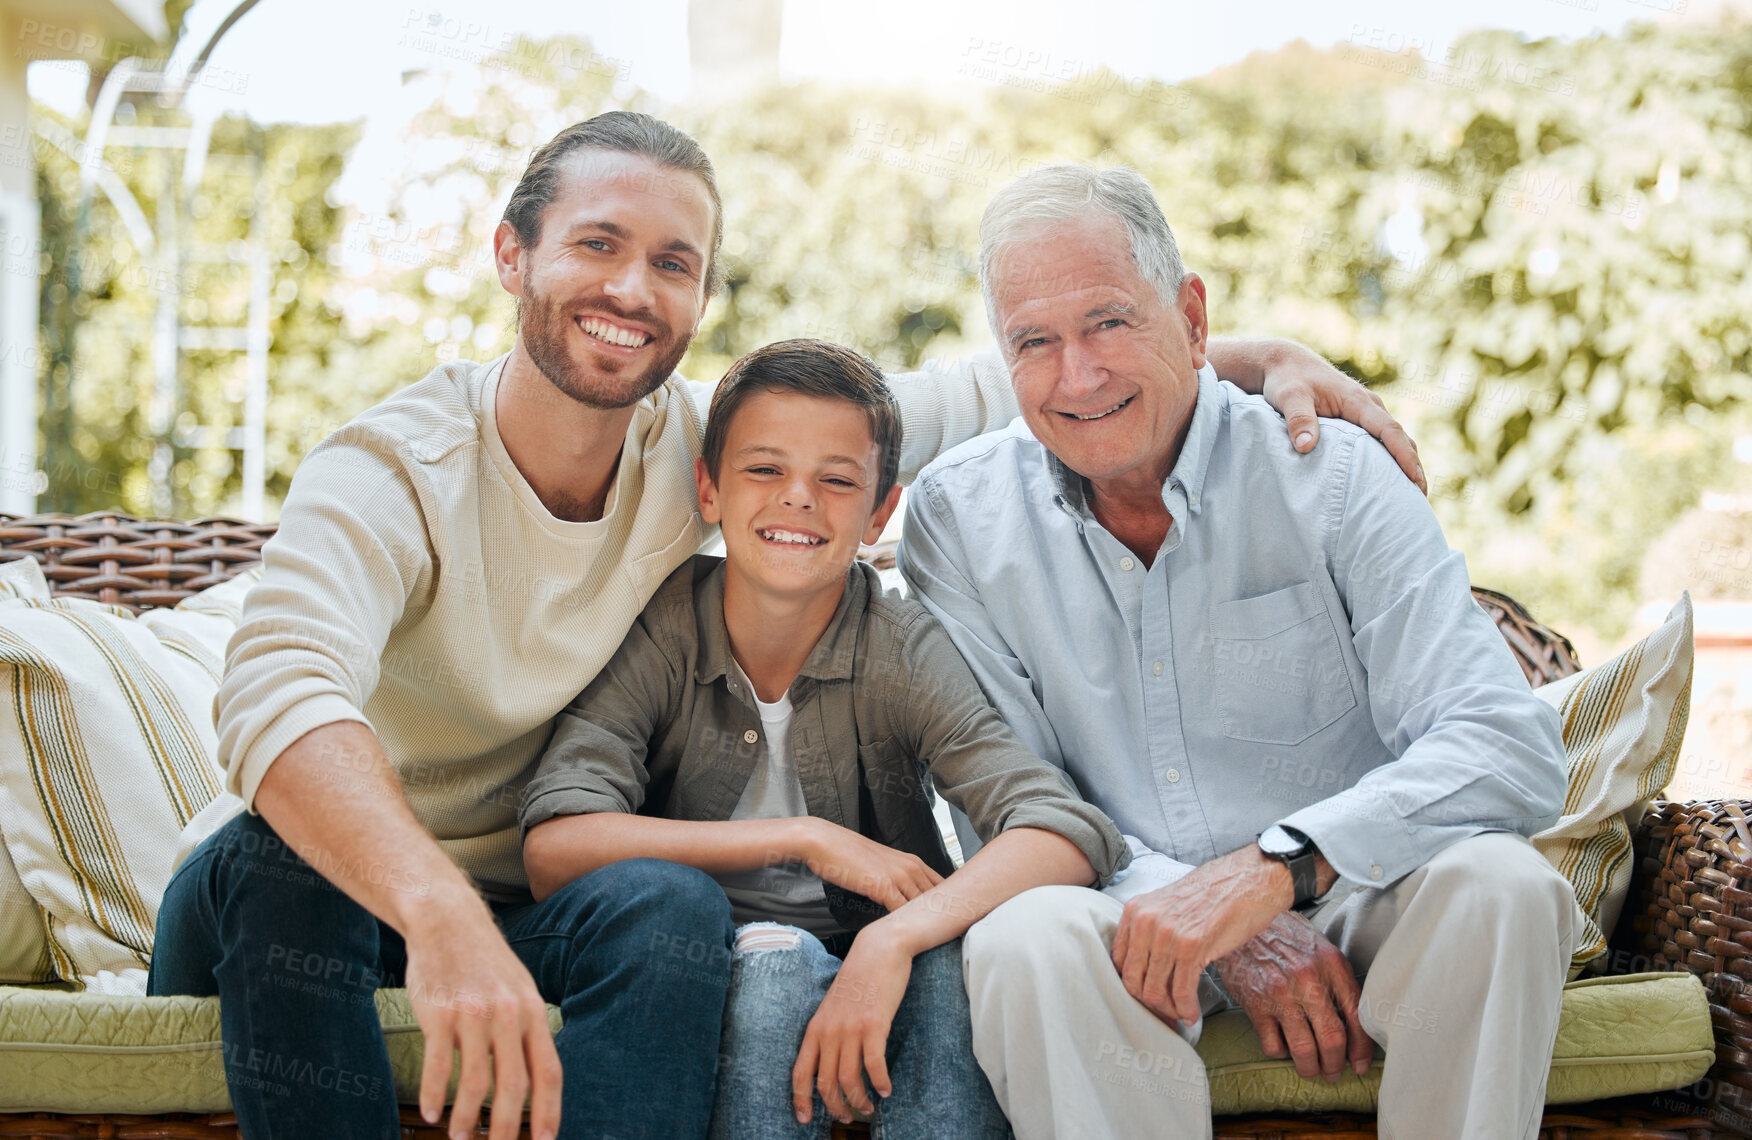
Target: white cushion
{"x": 107, "y": 750}
{"x": 22, "y": 579}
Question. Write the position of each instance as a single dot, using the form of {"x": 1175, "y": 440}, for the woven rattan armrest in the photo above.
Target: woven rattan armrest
{"x": 1690, "y": 908}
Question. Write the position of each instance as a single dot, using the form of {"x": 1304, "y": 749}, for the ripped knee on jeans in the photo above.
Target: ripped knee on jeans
{"x": 761, "y": 936}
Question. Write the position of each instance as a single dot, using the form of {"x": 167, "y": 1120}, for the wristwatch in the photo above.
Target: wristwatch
{"x": 1295, "y": 851}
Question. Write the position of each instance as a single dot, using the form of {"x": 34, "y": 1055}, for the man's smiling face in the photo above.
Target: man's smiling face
{"x": 613, "y": 292}
{"x": 1105, "y": 372}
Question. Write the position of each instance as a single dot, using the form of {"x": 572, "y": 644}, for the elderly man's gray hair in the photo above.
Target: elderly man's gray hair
{"x": 1063, "y": 191}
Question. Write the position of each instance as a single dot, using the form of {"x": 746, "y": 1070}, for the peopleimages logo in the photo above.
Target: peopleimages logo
{"x": 1041, "y": 69}
{"x": 432, "y": 31}
{"x": 276, "y": 1072}
{"x": 36, "y": 38}
{"x": 1428, "y": 58}
{"x": 951, "y": 156}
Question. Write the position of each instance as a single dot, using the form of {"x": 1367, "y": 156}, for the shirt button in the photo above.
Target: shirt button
{"x": 1126, "y": 564}
{"x": 751, "y": 736}
{"x": 1174, "y": 775}
{"x": 1156, "y": 668}
{"x": 1375, "y": 872}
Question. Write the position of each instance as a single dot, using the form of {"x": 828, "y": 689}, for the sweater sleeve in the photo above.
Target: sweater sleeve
{"x": 595, "y": 760}
{"x": 948, "y": 403}
{"x": 351, "y": 548}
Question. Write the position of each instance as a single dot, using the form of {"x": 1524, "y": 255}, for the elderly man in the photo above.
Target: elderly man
{"x": 1267, "y": 668}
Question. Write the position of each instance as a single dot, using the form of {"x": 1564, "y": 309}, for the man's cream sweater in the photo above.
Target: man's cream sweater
{"x": 418, "y": 585}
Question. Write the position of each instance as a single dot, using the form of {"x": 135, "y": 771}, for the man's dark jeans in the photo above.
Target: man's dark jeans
{"x": 636, "y": 955}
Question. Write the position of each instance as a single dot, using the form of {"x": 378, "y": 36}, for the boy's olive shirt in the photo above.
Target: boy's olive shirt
{"x": 883, "y": 707}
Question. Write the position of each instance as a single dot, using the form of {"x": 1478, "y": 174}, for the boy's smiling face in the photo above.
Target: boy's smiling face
{"x": 796, "y": 491}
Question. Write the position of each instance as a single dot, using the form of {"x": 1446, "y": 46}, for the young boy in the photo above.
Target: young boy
{"x": 771, "y": 719}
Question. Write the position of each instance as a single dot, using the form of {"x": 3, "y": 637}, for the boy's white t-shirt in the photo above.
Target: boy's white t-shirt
{"x": 788, "y": 893}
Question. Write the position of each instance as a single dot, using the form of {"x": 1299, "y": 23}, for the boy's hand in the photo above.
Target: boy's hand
{"x": 846, "y": 859}
{"x": 848, "y": 1036}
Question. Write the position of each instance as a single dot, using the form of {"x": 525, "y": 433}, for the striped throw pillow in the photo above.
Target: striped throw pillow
{"x": 24, "y": 935}
{"x": 107, "y": 750}
{"x": 1623, "y": 724}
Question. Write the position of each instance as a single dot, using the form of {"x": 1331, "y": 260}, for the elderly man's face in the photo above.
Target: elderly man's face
{"x": 1105, "y": 372}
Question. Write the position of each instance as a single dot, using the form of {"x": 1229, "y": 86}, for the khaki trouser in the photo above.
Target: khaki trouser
{"x": 1463, "y": 964}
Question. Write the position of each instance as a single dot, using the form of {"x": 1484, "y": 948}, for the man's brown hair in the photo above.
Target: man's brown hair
{"x": 810, "y": 368}
{"x": 629, "y": 132}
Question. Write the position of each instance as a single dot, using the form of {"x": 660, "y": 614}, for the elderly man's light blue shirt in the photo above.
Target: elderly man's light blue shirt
{"x": 1303, "y": 650}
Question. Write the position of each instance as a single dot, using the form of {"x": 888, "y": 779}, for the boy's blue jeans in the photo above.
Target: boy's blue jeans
{"x": 636, "y": 955}
{"x": 779, "y": 976}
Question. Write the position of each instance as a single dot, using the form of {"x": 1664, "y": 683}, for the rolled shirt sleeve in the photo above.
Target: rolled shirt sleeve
{"x": 596, "y": 758}
{"x": 349, "y": 551}
{"x": 1476, "y": 750}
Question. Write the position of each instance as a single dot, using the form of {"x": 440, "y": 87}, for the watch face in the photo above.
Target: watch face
{"x": 1281, "y": 844}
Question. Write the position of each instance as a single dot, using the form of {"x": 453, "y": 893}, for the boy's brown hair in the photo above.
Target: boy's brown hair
{"x": 810, "y": 368}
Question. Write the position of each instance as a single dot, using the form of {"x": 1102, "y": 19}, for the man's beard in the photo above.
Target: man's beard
{"x": 544, "y": 330}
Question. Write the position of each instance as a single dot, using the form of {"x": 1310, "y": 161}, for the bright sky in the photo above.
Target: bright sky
{"x": 329, "y": 60}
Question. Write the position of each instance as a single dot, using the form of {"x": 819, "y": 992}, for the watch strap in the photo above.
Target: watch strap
{"x": 1305, "y": 877}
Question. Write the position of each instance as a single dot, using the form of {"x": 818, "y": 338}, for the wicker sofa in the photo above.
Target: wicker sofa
{"x": 1690, "y": 909}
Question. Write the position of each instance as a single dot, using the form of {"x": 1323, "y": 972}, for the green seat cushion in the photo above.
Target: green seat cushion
{"x": 81, "y": 1052}
{"x": 1631, "y": 1034}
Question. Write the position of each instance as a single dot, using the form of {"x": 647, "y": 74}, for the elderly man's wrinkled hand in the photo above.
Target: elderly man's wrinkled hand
{"x": 1167, "y": 937}
{"x": 1300, "y": 992}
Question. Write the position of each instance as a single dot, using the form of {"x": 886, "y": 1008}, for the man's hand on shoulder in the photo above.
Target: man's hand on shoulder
{"x": 1299, "y": 991}
{"x": 1303, "y": 385}
{"x": 1167, "y": 937}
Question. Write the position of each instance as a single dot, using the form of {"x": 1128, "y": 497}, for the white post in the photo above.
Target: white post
{"x": 20, "y": 465}
{"x": 21, "y": 478}
{"x": 255, "y": 399}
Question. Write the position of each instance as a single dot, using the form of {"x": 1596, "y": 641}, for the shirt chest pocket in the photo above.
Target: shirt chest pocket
{"x": 1277, "y": 670}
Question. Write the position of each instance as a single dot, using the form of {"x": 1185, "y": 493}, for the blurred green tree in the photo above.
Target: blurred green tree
{"x": 99, "y": 300}
{"x": 1536, "y": 251}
